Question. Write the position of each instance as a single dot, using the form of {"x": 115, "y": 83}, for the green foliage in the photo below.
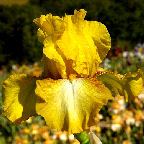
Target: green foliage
{"x": 82, "y": 138}
{"x": 18, "y": 40}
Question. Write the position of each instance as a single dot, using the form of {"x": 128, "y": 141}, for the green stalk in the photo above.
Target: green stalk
{"x": 82, "y": 138}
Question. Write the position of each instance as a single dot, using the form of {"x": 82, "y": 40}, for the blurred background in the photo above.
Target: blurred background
{"x": 18, "y": 40}
{"x": 20, "y": 52}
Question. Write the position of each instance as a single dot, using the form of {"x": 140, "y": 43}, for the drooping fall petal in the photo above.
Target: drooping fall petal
{"x": 70, "y": 105}
{"x": 129, "y": 85}
{"x": 19, "y": 97}
{"x": 79, "y": 45}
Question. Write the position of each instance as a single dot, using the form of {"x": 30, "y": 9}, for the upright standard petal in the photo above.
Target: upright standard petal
{"x": 19, "y": 97}
{"x": 51, "y": 28}
{"x": 54, "y": 65}
{"x": 129, "y": 85}
{"x": 70, "y": 105}
{"x": 81, "y": 44}
{"x": 86, "y": 43}
{"x": 50, "y": 25}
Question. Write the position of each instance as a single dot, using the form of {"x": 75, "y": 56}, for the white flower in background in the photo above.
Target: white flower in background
{"x": 122, "y": 104}
{"x": 128, "y": 117}
{"x": 115, "y": 127}
{"x": 131, "y": 54}
{"x": 141, "y": 97}
{"x": 125, "y": 54}
{"x": 117, "y": 105}
{"x": 138, "y": 54}
{"x": 63, "y": 137}
{"x": 121, "y": 101}
{"x": 106, "y": 64}
{"x": 130, "y": 121}
{"x": 53, "y": 137}
{"x": 71, "y": 137}
{"x": 117, "y": 123}
{"x": 106, "y": 60}
{"x": 114, "y": 111}
{"x": 142, "y": 57}
{"x": 137, "y": 123}
{"x": 14, "y": 67}
{"x": 100, "y": 116}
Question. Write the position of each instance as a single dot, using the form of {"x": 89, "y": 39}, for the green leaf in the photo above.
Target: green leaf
{"x": 82, "y": 138}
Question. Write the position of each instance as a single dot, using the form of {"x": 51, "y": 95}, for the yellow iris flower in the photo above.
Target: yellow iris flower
{"x": 71, "y": 90}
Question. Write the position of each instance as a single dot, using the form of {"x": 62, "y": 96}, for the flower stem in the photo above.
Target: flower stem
{"x": 82, "y": 138}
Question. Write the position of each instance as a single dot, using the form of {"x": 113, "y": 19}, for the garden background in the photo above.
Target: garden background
{"x": 20, "y": 52}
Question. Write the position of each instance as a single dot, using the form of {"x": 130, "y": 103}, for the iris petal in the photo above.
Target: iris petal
{"x": 129, "y": 85}
{"x": 70, "y": 105}
{"x": 79, "y": 46}
{"x": 19, "y": 97}
{"x": 54, "y": 65}
{"x": 86, "y": 43}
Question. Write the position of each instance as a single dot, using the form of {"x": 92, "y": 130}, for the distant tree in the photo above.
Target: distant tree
{"x": 18, "y": 39}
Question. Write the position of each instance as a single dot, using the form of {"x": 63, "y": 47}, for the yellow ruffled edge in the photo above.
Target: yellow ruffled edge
{"x": 19, "y": 97}
{"x": 128, "y": 85}
{"x": 133, "y": 84}
{"x": 54, "y": 29}
{"x": 70, "y": 105}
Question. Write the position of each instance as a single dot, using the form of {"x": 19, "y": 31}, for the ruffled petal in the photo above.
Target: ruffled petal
{"x": 86, "y": 43}
{"x": 80, "y": 44}
{"x": 50, "y": 29}
{"x": 129, "y": 85}
{"x": 41, "y": 35}
{"x": 50, "y": 25}
{"x": 19, "y": 97}
{"x": 54, "y": 65}
{"x": 70, "y": 105}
